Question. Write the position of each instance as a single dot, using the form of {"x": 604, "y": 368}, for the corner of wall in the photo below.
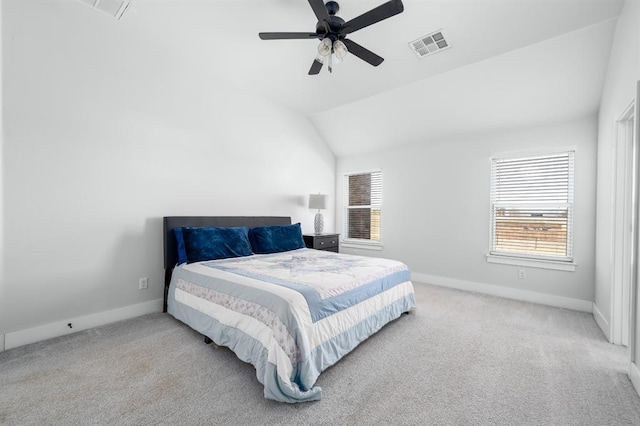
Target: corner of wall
{"x": 1, "y": 342}
{"x": 602, "y": 322}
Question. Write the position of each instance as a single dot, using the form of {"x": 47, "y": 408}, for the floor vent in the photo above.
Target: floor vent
{"x": 115, "y": 8}
{"x": 429, "y": 44}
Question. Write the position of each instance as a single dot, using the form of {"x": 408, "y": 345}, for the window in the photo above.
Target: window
{"x": 532, "y": 206}
{"x": 363, "y": 205}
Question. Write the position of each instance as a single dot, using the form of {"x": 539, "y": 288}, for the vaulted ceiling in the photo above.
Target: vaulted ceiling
{"x": 511, "y": 62}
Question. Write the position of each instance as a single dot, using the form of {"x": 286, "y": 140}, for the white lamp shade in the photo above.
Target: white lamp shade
{"x": 317, "y": 201}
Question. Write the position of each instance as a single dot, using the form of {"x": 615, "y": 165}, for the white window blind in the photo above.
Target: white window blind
{"x": 363, "y": 206}
{"x": 532, "y": 206}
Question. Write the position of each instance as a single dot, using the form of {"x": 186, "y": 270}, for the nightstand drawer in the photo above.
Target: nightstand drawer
{"x": 327, "y": 242}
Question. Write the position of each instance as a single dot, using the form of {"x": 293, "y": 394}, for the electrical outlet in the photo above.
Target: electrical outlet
{"x": 522, "y": 274}
{"x": 143, "y": 284}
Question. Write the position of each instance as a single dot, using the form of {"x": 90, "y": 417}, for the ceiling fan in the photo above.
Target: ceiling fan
{"x": 332, "y": 31}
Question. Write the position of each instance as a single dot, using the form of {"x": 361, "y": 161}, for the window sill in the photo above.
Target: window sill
{"x": 532, "y": 263}
{"x": 363, "y": 245}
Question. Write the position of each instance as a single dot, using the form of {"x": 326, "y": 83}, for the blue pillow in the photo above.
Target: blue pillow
{"x": 182, "y": 254}
{"x": 206, "y": 243}
{"x": 277, "y": 238}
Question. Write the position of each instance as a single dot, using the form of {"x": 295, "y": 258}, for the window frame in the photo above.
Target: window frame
{"x": 360, "y": 243}
{"x": 562, "y": 263}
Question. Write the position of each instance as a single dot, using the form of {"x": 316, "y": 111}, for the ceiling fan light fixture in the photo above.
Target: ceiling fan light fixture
{"x": 324, "y": 49}
{"x": 331, "y": 52}
{"x": 340, "y": 49}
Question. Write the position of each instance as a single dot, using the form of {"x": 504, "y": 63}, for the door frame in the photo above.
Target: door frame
{"x": 625, "y": 213}
{"x": 634, "y": 328}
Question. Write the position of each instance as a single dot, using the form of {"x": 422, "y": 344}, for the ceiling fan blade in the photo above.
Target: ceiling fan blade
{"x": 315, "y": 67}
{"x": 362, "y": 53}
{"x": 377, "y": 14}
{"x": 319, "y": 9}
{"x": 285, "y": 36}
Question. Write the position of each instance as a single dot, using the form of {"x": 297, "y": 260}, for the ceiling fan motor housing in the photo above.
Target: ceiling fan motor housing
{"x": 331, "y": 28}
{"x": 332, "y": 7}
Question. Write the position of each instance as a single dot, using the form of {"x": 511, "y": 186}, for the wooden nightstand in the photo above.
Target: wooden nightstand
{"x": 328, "y": 242}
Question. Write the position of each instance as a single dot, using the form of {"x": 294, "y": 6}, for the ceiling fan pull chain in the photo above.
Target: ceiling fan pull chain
{"x": 330, "y": 64}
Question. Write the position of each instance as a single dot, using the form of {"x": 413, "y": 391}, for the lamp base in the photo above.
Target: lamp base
{"x": 319, "y": 223}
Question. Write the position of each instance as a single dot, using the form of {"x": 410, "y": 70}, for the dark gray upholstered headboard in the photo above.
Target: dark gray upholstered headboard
{"x": 170, "y": 245}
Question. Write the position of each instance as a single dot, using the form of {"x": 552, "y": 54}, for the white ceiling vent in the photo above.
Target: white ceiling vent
{"x": 115, "y": 8}
{"x": 429, "y": 44}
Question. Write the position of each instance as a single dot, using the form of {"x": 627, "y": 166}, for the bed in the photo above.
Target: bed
{"x": 290, "y": 311}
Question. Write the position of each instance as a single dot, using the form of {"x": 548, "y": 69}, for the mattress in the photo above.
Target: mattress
{"x": 291, "y": 314}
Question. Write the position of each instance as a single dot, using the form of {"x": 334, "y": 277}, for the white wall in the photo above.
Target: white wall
{"x": 435, "y": 212}
{"x": 619, "y": 91}
{"x": 106, "y": 131}
{"x": 2, "y": 298}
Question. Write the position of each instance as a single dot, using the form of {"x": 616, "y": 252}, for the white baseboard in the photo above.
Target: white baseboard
{"x": 634, "y": 375}
{"x": 602, "y": 322}
{"x": 507, "y": 292}
{"x": 48, "y": 331}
